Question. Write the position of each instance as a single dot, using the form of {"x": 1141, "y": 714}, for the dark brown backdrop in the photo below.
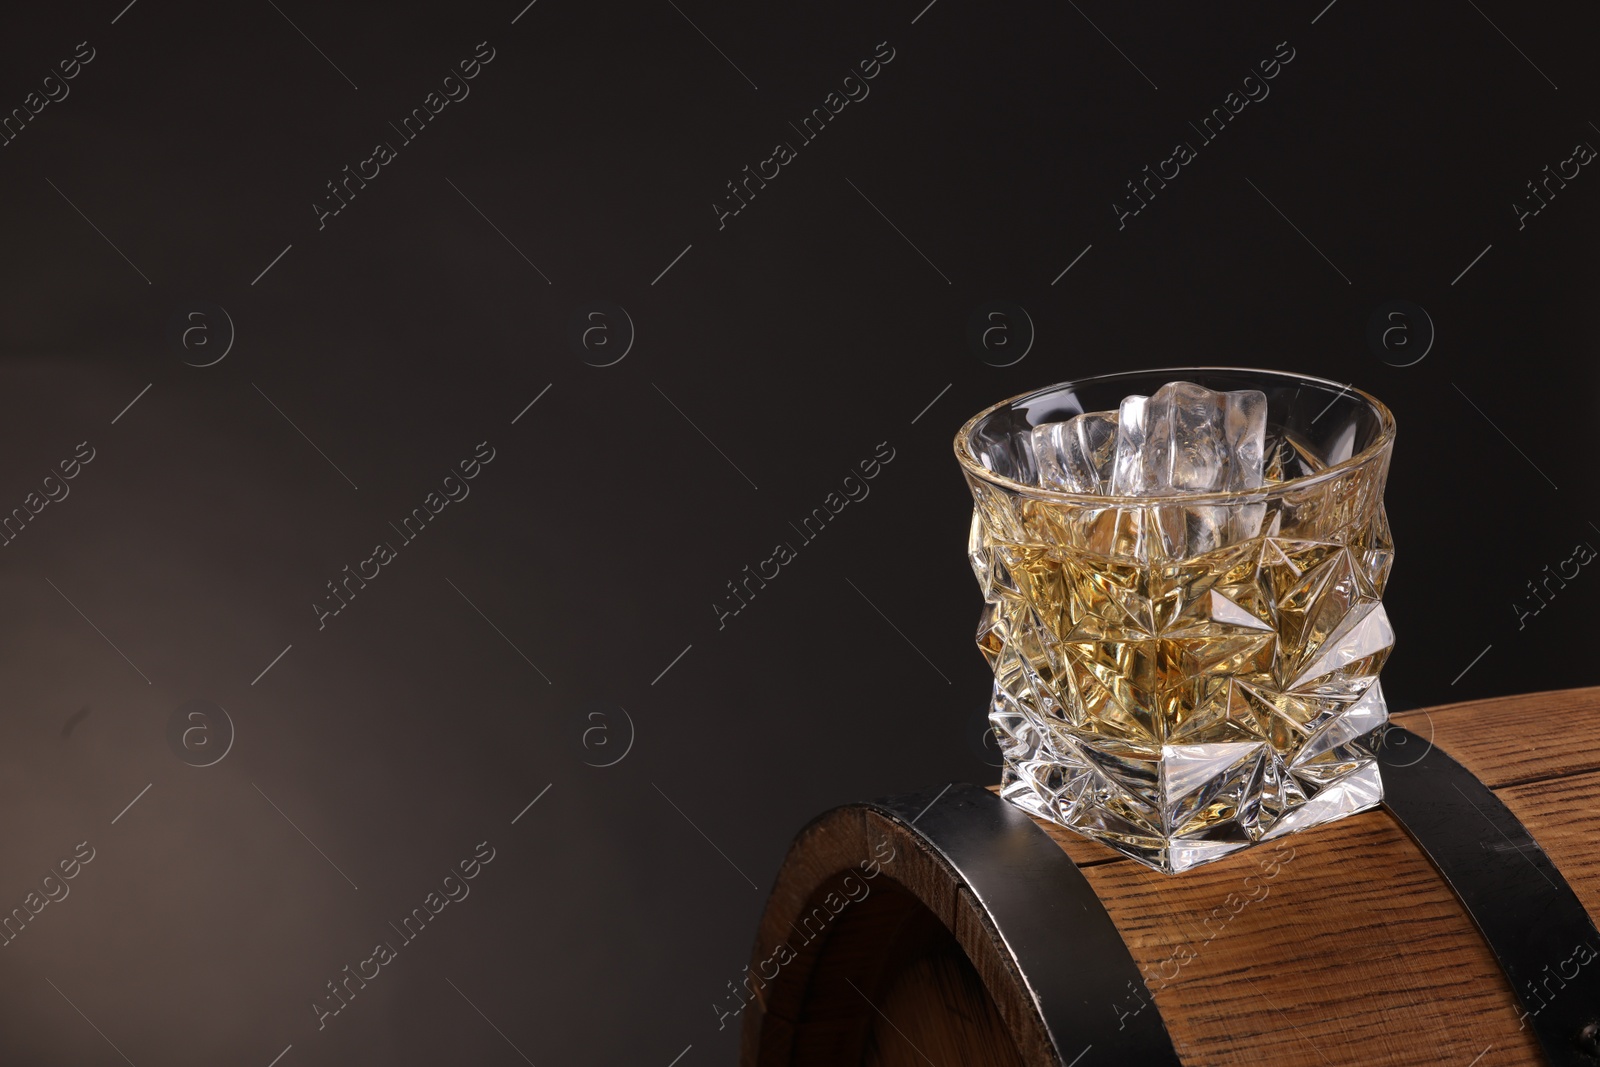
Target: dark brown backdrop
{"x": 566, "y": 607}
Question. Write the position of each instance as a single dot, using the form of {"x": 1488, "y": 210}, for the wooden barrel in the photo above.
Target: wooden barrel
{"x": 968, "y": 933}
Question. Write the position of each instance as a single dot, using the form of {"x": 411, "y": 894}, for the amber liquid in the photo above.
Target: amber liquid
{"x": 1151, "y": 696}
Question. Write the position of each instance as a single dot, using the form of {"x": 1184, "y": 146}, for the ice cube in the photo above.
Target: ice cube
{"x": 1187, "y": 438}
{"x": 1075, "y": 455}
{"x": 1128, "y": 470}
{"x": 1183, "y": 439}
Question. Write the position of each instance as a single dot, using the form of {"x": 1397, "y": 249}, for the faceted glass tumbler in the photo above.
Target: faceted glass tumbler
{"x": 1183, "y": 675}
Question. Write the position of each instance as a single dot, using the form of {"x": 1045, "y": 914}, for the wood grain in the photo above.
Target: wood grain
{"x": 827, "y": 1005}
{"x": 1342, "y": 945}
{"x": 1507, "y": 740}
{"x": 936, "y": 1010}
{"x": 1355, "y": 952}
{"x": 1563, "y": 815}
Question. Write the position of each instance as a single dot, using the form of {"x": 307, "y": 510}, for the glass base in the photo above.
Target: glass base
{"x": 1176, "y": 807}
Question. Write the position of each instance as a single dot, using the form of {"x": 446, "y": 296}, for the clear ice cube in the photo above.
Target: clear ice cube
{"x": 1183, "y": 439}
{"x": 1187, "y": 438}
{"x": 1075, "y": 455}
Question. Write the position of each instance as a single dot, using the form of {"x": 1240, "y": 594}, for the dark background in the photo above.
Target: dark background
{"x": 564, "y": 611}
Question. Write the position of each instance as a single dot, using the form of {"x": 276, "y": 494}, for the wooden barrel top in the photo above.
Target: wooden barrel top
{"x": 1341, "y": 945}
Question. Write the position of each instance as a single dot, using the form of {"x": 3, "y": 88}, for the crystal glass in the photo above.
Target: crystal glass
{"x": 1186, "y": 674}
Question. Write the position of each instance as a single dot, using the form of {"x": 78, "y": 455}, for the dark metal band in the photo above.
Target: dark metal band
{"x": 1544, "y": 939}
{"x": 1067, "y": 949}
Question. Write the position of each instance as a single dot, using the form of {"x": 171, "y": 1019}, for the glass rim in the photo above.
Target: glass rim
{"x": 973, "y": 468}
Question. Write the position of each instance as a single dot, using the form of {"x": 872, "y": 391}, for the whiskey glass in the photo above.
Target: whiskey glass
{"x": 1186, "y": 674}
